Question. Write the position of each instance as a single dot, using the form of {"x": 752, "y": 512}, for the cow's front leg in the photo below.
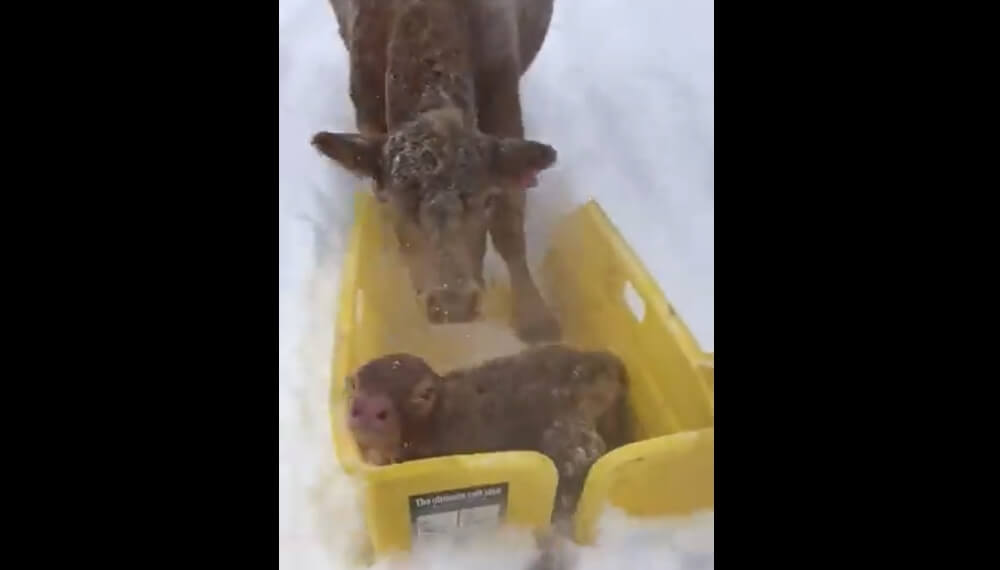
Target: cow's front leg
{"x": 368, "y": 61}
{"x": 532, "y": 319}
{"x": 500, "y": 115}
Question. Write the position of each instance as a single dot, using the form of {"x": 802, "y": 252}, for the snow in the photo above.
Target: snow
{"x": 627, "y": 98}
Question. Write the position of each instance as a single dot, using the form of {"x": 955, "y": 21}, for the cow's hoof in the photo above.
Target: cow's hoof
{"x": 537, "y": 326}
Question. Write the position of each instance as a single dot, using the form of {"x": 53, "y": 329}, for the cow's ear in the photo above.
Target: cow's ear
{"x": 518, "y": 161}
{"x": 360, "y": 154}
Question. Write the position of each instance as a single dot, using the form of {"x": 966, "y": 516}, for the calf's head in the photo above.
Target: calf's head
{"x": 391, "y": 400}
{"x": 442, "y": 180}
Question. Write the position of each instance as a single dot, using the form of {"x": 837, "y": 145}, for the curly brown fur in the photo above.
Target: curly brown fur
{"x": 435, "y": 89}
{"x": 551, "y": 399}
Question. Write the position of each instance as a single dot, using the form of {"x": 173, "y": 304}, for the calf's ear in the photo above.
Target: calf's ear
{"x": 423, "y": 397}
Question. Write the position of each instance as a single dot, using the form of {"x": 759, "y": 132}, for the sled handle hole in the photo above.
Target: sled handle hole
{"x": 634, "y": 302}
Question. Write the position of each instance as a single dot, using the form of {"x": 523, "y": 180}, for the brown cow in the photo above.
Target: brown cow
{"x": 436, "y": 96}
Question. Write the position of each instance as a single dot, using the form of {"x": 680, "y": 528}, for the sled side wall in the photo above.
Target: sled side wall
{"x": 606, "y": 299}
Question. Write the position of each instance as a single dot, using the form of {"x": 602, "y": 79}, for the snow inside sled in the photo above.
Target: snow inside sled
{"x": 604, "y": 298}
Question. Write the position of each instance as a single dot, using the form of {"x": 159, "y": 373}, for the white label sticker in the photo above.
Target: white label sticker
{"x": 435, "y": 524}
{"x": 458, "y": 511}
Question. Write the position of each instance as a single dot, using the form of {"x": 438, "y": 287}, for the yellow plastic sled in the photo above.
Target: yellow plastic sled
{"x": 603, "y": 298}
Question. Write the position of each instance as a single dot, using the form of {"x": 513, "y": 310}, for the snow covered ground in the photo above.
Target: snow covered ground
{"x": 627, "y": 98}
